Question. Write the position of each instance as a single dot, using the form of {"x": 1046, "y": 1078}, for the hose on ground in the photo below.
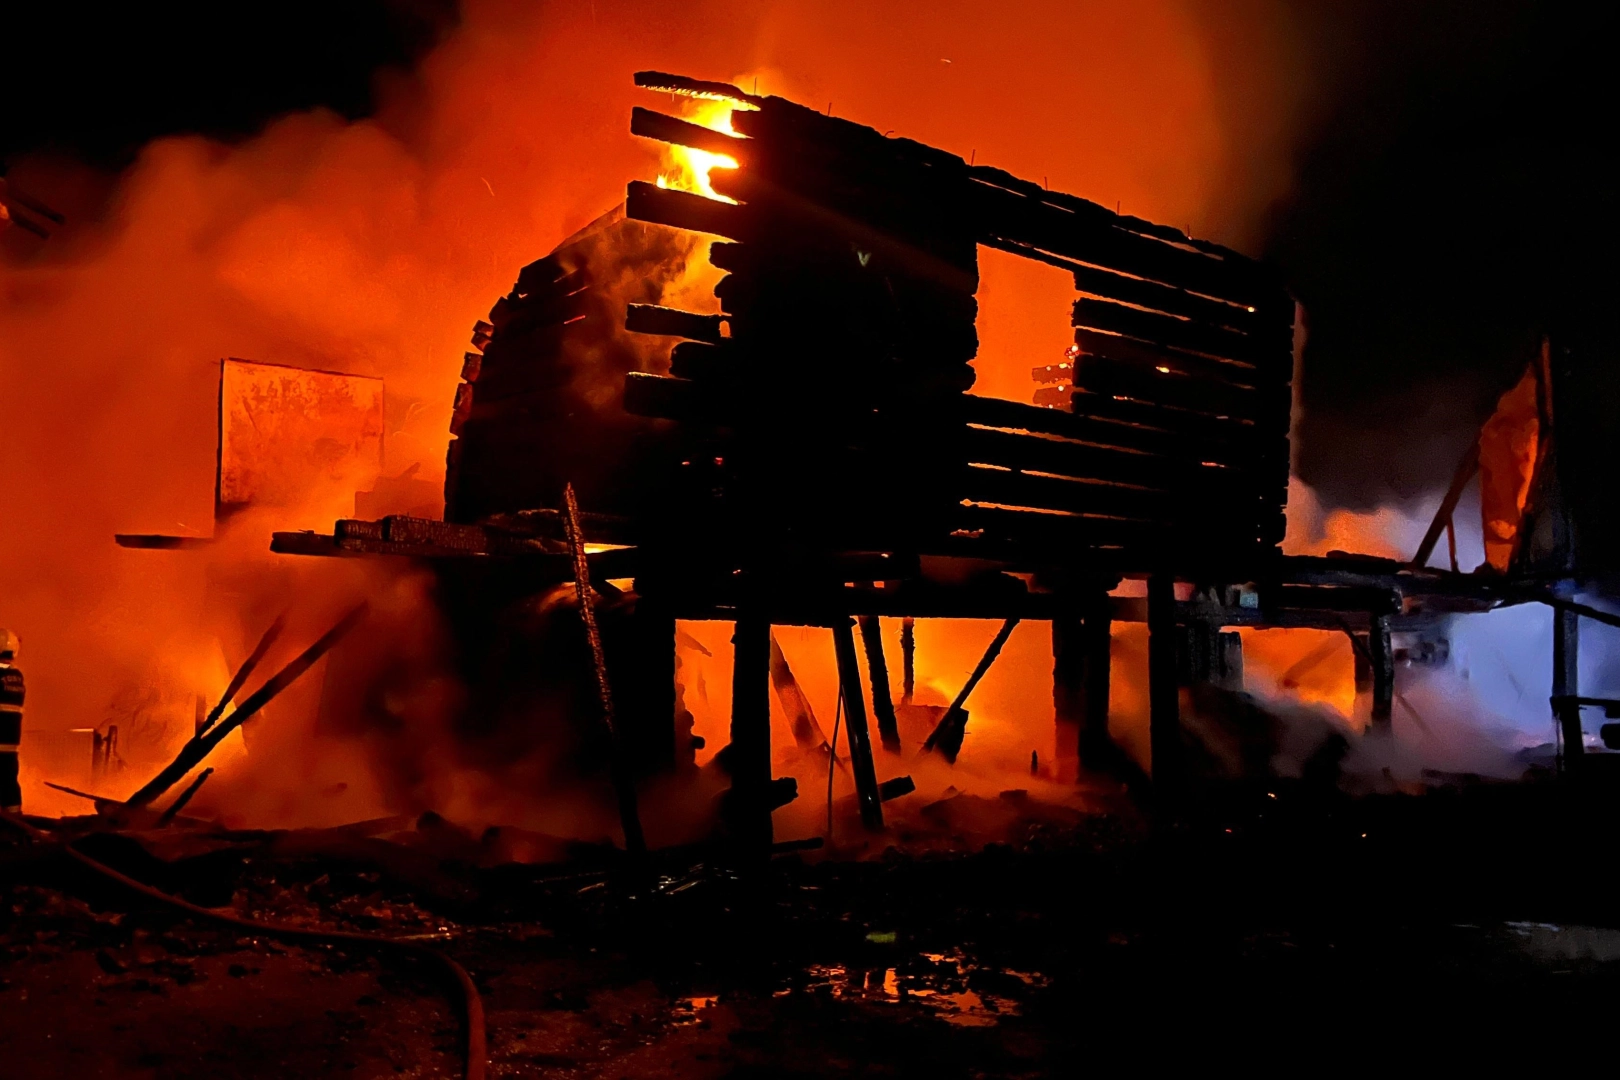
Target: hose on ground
{"x": 476, "y": 1046}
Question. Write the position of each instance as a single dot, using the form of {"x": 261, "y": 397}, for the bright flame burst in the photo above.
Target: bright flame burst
{"x": 688, "y": 168}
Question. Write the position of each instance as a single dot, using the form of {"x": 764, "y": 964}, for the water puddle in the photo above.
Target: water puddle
{"x": 951, "y": 985}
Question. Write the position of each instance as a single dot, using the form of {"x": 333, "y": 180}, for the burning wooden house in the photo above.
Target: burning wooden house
{"x": 808, "y": 451}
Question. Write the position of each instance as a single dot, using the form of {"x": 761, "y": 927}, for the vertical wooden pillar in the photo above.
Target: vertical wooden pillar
{"x": 1229, "y": 648}
{"x": 1566, "y": 686}
{"x": 1068, "y": 684}
{"x": 1381, "y": 652}
{"x": 1096, "y": 745}
{"x": 878, "y": 668}
{"x": 1164, "y": 702}
{"x": 1081, "y": 653}
{"x": 860, "y": 739}
{"x": 1362, "y": 648}
{"x": 908, "y": 659}
{"x": 749, "y": 757}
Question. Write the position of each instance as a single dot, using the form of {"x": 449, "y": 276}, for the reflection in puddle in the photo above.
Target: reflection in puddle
{"x": 950, "y": 985}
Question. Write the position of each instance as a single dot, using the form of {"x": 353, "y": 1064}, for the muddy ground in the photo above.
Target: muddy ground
{"x": 1268, "y": 926}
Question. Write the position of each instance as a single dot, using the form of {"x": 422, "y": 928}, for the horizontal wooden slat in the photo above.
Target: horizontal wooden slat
{"x": 1069, "y": 458}
{"x": 672, "y": 322}
{"x": 1123, "y": 424}
{"x": 698, "y": 360}
{"x": 1098, "y": 343}
{"x": 1049, "y": 493}
{"x": 683, "y": 210}
{"x": 656, "y": 125}
{"x": 1030, "y": 221}
{"x": 664, "y": 82}
{"x": 1177, "y": 333}
{"x": 1151, "y": 294}
{"x": 661, "y": 396}
{"x": 1165, "y": 385}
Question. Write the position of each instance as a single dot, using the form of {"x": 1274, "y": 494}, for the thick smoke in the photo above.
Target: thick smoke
{"x": 370, "y": 246}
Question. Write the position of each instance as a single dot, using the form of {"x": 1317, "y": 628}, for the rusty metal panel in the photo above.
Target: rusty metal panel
{"x": 297, "y": 440}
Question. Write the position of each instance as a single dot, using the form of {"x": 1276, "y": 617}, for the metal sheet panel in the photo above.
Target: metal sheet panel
{"x": 297, "y": 440}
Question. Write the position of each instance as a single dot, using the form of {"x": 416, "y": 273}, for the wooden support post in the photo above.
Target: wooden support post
{"x": 878, "y": 668}
{"x": 860, "y": 739}
{"x": 1164, "y": 701}
{"x": 749, "y": 757}
{"x": 1566, "y": 686}
{"x": 1229, "y": 646}
{"x": 908, "y": 659}
{"x": 1361, "y": 647}
{"x": 1381, "y": 651}
{"x": 1081, "y": 648}
{"x": 1068, "y": 685}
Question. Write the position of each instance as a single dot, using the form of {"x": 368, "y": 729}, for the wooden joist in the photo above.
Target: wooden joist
{"x": 684, "y": 210}
{"x": 1179, "y": 333}
{"x": 652, "y": 319}
{"x": 656, "y": 125}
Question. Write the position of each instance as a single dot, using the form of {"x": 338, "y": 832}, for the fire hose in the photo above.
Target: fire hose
{"x": 476, "y": 1047}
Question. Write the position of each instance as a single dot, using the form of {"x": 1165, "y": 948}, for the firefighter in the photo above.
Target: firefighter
{"x": 11, "y": 714}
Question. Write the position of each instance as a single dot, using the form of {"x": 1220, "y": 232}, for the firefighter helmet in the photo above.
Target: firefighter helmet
{"x": 10, "y": 644}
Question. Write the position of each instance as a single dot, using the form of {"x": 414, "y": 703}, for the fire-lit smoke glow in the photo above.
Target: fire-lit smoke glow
{"x": 369, "y": 247}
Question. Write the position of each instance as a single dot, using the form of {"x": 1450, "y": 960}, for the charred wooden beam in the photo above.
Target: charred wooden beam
{"x": 623, "y": 784}
{"x": 1448, "y": 507}
{"x": 657, "y": 125}
{"x": 877, "y": 667}
{"x": 201, "y": 746}
{"x": 1566, "y": 688}
{"x": 684, "y": 210}
{"x": 908, "y": 658}
{"x": 947, "y": 734}
{"x": 651, "y": 319}
{"x": 748, "y": 804}
{"x": 664, "y": 82}
{"x": 860, "y": 738}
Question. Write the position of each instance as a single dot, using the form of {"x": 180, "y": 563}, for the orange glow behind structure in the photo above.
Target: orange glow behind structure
{"x": 370, "y": 246}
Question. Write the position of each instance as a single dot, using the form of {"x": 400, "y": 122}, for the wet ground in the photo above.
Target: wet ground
{"x": 1281, "y": 927}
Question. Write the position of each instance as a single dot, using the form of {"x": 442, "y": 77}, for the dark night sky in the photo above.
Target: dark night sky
{"x": 1451, "y": 201}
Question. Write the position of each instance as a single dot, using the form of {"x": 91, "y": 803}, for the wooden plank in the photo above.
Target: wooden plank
{"x": 669, "y": 129}
{"x": 1126, "y": 424}
{"x": 1163, "y": 384}
{"x": 664, "y": 82}
{"x": 1177, "y": 333}
{"x": 697, "y": 360}
{"x": 1071, "y": 458}
{"x": 672, "y": 322}
{"x": 1165, "y": 298}
{"x": 860, "y": 739}
{"x": 877, "y": 668}
{"x": 1048, "y": 493}
{"x": 684, "y": 210}
{"x": 1025, "y": 220}
{"x": 1098, "y": 343}
{"x": 662, "y": 396}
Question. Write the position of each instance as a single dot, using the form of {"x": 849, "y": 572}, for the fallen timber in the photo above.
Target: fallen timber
{"x": 809, "y": 452}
